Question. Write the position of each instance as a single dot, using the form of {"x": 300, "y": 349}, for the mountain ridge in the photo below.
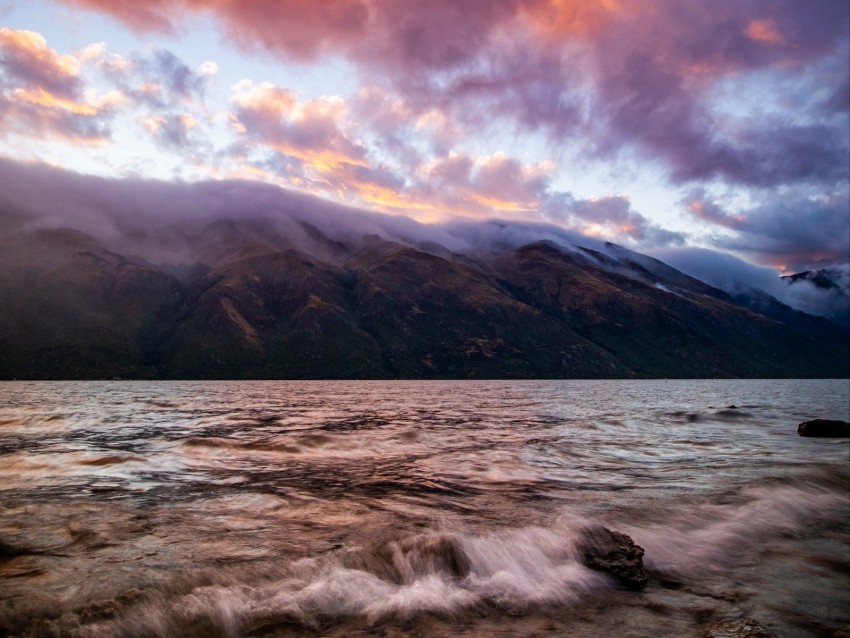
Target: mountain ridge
{"x": 243, "y": 299}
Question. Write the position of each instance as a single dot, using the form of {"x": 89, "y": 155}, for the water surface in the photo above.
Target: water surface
{"x": 344, "y": 508}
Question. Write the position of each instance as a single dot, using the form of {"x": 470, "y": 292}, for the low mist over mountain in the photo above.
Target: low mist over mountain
{"x": 103, "y": 278}
{"x": 825, "y": 291}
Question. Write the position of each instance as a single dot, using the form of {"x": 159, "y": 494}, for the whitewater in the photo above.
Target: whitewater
{"x": 419, "y": 508}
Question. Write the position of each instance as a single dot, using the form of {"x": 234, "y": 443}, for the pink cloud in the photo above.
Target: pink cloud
{"x": 27, "y": 60}
{"x": 42, "y": 93}
{"x": 609, "y": 216}
{"x": 154, "y": 15}
{"x": 485, "y": 185}
{"x": 697, "y": 204}
{"x": 634, "y": 74}
{"x": 310, "y": 131}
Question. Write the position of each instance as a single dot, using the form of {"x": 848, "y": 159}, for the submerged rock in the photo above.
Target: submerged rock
{"x": 613, "y": 553}
{"x": 824, "y": 428}
{"x": 408, "y": 560}
{"x": 743, "y": 628}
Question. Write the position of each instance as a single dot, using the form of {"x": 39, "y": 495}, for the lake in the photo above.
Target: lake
{"x": 419, "y": 508}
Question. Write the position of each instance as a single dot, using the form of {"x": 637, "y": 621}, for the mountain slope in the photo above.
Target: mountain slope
{"x": 73, "y": 309}
{"x": 659, "y": 328}
{"x": 243, "y": 299}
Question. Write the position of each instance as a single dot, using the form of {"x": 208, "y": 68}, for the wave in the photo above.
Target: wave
{"x": 454, "y": 574}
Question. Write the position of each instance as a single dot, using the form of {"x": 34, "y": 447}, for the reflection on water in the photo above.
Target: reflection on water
{"x": 418, "y": 508}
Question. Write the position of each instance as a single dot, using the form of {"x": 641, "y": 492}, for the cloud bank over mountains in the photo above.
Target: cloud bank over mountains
{"x": 526, "y": 110}
{"x": 150, "y": 218}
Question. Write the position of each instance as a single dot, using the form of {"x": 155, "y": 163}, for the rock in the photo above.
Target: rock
{"x": 408, "y": 560}
{"x": 435, "y": 554}
{"x": 824, "y": 428}
{"x": 613, "y": 553}
{"x": 743, "y": 628}
{"x": 8, "y": 552}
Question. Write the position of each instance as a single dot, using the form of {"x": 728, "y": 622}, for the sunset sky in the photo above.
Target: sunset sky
{"x": 655, "y": 124}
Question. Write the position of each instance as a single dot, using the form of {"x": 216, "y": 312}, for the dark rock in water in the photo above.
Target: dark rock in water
{"x": 434, "y": 554}
{"x": 410, "y": 559}
{"x": 8, "y": 552}
{"x": 824, "y": 428}
{"x": 613, "y": 553}
{"x": 743, "y": 628}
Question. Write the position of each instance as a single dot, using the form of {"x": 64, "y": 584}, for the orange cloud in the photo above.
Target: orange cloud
{"x": 764, "y": 31}
{"x": 40, "y": 97}
{"x": 41, "y": 116}
{"x": 266, "y": 97}
{"x": 390, "y": 199}
{"x": 26, "y": 59}
{"x": 557, "y": 18}
{"x": 309, "y": 131}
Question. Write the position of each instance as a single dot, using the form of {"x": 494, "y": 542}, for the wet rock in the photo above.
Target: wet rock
{"x": 742, "y": 628}
{"x": 9, "y": 551}
{"x": 613, "y": 553}
{"x": 410, "y": 559}
{"x": 824, "y": 428}
{"x": 434, "y": 554}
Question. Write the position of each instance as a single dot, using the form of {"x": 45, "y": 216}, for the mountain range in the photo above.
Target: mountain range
{"x": 245, "y": 297}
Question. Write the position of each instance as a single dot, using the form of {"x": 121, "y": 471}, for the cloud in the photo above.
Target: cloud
{"x": 697, "y": 204}
{"x": 737, "y": 276}
{"x": 154, "y": 15}
{"x": 314, "y": 147}
{"x": 43, "y": 95}
{"x": 721, "y": 270}
{"x": 112, "y": 209}
{"x": 610, "y": 216}
{"x": 637, "y": 73}
{"x": 400, "y": 130}
{"x": 795, "y": 233}
{"x": 131, "y": 215}
{"x": 436, "y": 34}
{"x": 158, "y": 80}
{"x": 832, "y": 302}
{"x": 124, "y": 212}
{"x": 172, "y": 131}
{"x": 484, "y": 185}
{"x": 28, "y": 61}
{"x": 310, "y": 131}
{"x": 179, "y": 80}
{"x": 667, "y": 82}
{"x": 790, "y": 231}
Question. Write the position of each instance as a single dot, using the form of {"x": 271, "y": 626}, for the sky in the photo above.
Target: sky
{"x": 662, "y": 125}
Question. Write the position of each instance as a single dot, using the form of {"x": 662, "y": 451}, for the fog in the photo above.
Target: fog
{"x": 157, "y": 219}
{"x": 735, "y": 276}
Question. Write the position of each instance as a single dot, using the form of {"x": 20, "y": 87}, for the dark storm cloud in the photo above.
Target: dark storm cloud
{"x": 797, "y": 233}
{"x": 792, "y": 231}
